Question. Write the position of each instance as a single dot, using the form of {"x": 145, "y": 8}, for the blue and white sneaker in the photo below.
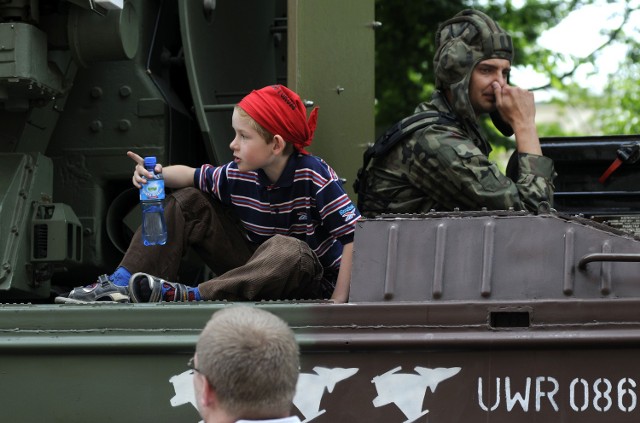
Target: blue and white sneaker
{"x": 103, "y": 290}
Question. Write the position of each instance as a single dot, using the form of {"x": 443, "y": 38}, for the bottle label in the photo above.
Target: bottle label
{"x": 152, "y": 190}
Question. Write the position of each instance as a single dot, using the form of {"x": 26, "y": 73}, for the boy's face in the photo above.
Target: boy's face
{"x": 481, "y": 95}
{"x": 250, "y": 150}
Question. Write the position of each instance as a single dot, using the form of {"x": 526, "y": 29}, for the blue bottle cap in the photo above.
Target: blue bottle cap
{"x": 150, "y": 162}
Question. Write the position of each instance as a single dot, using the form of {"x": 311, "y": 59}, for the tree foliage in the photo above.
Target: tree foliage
{"x": 405, "y": 45}
{"x": 617, "y": 109}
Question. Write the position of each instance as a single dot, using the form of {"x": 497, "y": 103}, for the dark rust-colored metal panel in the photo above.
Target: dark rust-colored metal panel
{"x": 431, "y": 385}
{"x": 492, "y": 256}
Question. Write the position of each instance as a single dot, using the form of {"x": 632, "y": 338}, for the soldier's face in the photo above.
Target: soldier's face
{"x": 484, "y": 74}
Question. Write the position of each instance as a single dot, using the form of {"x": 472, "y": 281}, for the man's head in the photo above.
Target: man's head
{"x": 462, "y": 43}
{"x": 248, "y": 365}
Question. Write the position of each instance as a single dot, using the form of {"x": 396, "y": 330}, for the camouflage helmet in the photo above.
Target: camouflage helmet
{"x": 461, "y": 43}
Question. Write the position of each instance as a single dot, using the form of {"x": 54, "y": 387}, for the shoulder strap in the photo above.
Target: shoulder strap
{"x": 404, "y": 129}
{"x": 401, "y": 130}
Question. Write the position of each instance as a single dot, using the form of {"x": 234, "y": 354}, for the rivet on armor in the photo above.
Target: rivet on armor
{"x": 96, "y": 126}
{"x": 96, "y": 92}
{"x": 124, "y": 124}
{"x": 125, "y": 91}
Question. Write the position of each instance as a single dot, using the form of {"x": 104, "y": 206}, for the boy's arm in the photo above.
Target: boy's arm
{"x": 177, "y": 176}
{"x": 341, "y": 292}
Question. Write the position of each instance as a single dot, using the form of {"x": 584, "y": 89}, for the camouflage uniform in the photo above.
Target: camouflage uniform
{"x": 446, "y": 166}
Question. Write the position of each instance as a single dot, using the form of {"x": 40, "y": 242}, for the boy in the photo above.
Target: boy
{"x": 275, "y": 223}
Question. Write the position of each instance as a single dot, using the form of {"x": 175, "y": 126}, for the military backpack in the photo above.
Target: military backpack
{"x": 402, "y": 130}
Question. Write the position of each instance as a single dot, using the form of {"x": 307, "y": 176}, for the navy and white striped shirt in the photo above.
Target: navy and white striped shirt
{"x": 307, "y": 202}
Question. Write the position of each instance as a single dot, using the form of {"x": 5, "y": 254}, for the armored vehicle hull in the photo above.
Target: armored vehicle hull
{"x": 545, "y": 327}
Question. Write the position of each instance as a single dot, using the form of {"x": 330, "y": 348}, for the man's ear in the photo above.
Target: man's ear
{"x": 208, "y": 397}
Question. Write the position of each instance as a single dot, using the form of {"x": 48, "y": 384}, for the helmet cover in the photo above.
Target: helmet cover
{"x": 461, "y": 43}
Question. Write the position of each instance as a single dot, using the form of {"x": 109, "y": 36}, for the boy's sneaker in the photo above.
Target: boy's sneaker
{"x": 101, "y": 291}
{"x": 145, "y": 288}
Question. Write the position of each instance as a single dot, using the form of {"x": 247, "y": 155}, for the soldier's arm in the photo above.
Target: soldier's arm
{"x": 457, "y": 174}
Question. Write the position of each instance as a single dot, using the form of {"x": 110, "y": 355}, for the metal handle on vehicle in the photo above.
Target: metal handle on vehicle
{"x": 588, "y": 258}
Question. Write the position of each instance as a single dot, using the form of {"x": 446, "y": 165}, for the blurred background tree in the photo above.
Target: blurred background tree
{"x": 405, "y": 45}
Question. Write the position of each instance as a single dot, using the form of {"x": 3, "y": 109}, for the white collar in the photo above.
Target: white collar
{"x": 292, "y": 419}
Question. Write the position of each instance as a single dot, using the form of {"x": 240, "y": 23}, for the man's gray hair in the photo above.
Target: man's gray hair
{"x": 251, "y": 358}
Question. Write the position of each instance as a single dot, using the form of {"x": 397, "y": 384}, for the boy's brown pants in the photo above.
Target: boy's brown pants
{"x": 281, "y": 268}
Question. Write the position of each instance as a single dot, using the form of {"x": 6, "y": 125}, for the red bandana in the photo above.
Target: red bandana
{"x": 281, "y": 112}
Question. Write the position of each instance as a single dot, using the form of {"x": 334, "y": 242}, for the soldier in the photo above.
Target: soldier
{"x": 445, "y": 165}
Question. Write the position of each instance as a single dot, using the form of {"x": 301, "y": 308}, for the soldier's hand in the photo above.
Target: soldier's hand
{"x": 517, "y": 108}
{"x": 516, "y": 105}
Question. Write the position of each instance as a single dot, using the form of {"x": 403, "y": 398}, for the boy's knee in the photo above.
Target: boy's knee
{"x": 287, "y": 250}
{"x": 285, "y": 246}
{"x": 190, "y": 196}
{"x": 192, "y": 203}
{"x": 292, "y": 253}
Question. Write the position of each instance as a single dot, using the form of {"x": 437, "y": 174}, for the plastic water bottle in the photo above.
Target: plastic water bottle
{"x": 154, "y": 227}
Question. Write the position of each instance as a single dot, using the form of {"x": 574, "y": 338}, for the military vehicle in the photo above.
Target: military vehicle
{"x": 463, "y": 316}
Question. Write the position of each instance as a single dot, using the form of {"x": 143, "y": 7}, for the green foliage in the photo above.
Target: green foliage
{"x": 619, "y": 112}
{"x": 404, "y": 53}
{"x": 553, "y": 129}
